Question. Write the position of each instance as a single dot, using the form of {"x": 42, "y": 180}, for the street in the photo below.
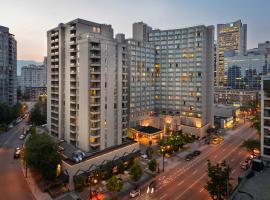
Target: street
{"x": 12, "y": 180}
{"x": 186, "y": 181}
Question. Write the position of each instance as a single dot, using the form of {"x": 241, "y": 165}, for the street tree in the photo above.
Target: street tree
{"x": 136, "y": 171}
{"x": 114, "y": 185}
{"x": 218, "y": 184}
{"x": 38, "y": 115}
{"x": 152, "y": 165}
{"x": 256, "y": 122}
{"x": 251, "y": 145}
{"x": 41, "y": 155}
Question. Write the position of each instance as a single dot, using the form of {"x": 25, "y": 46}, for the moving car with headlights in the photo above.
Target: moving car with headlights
{"x": 134, "y": 193}
{"x": 17, "y": 152}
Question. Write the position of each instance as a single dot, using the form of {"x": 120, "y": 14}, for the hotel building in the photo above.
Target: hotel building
{"x": 87, "y": 85}
{"x": 182, "y": 72}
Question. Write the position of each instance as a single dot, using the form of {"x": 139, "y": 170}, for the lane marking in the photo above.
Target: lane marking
{"x": 227, "y": 155}
{"x": 233, "y": 171}
{"x": 194, "y": 172}
{"x": 163, "y": 196}
{"x": 201, "y": 190}
{"x": 180, "y": 183}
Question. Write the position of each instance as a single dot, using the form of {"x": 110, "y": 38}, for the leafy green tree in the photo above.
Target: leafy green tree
{"x": 114, "y": 185}
{"x": 38, "y": 115}
{"x": 152, "y": 165}
{"x": 41, "y": 155}
{"x": 107, "y": 170}
{"x": 256, "y": 122}
{"x": 121, "y": 167}
{"x": 136, "y": 171}
{"x": 218, "y": 184}
{"x": 149, "y": 152}
{"x": 80, "y": 183}
{"x": 9, "y": 113}
{"x": 251, "y": 145}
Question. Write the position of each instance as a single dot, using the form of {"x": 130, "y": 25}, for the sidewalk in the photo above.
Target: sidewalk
{"x": 37, "y": 193}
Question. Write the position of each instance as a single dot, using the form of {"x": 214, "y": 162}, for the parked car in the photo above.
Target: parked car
{"x": 216, "y": 140}
{"x": 144, "y": 156}
{"x": 17, "y": 152}
{"x": 189, "y": 157}
{"x": 78, "y": 156}
{"x": 10, "y": 126}
{"x": 196, "y": 153}
{"x": 22, "y": 137}
{"x": 244, "y": 165}
{"x": 18, "y": 120}
{"x": 134, "y": 193}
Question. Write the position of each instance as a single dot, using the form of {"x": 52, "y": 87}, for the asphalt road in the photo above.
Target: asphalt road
{"x": 186, "y": 181}
{"x": 13, "y": 185}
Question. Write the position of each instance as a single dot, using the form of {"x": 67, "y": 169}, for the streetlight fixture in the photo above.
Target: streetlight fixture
{"x": 90, "y": 188}
{"x": 163, "y": 155}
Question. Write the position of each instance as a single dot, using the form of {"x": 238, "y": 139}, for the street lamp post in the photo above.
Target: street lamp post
{"x": 163, "y": 155}
{"x": 90, "y": 188}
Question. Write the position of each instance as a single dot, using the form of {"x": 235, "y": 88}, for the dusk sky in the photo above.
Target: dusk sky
{"x": 30, "y": 19}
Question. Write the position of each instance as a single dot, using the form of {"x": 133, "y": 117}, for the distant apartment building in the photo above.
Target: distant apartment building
{"x": 33, "y": 76}
{"x": 231, "y": 40}
{"x": 228, "y": 96}
{"x": 8, "y": 67}
{"x": 265, "y": 119}
{"x": 87, "y": 85}
{"x": 245, "y": 71}
{"x": 178, "y": 64}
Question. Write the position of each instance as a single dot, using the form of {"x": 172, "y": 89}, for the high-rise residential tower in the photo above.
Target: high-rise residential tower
{"x": 87, "y": 85}
{"x": 8, "y": 67}
{"x": 265, "y": 118}
{"x": 231, "y": 40}
{"x": 182, "y": 73}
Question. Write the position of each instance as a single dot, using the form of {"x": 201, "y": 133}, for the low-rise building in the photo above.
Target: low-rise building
{"x": 228, "y": 96}
{"x": 226, "y": 115}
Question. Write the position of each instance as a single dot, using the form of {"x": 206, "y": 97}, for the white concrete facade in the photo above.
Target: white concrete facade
{"x": 85, "y": 85}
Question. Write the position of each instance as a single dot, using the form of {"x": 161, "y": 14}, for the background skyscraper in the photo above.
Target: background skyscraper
{"x": 231, "y": 40}
{"x": 8, "y": 67}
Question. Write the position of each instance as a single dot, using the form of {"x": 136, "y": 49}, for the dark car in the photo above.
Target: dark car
{"x": 17, "y": 152}
{"x": 189, "y": 157}
{"x": 196, "y": 153}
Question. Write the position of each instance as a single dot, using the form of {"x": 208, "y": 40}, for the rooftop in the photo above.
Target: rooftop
{"x": 256, "y": 187}
{"x": 147, "y": 129}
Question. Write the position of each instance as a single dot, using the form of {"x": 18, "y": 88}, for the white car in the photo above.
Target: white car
{"x": 22, "y": 137}
{"x": 134, "y": 193}
{"x": 144, "y": 156}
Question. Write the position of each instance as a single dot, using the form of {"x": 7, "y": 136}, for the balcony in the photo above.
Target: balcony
{"x": 95, "y": 55}
{"x": 94, "y": 111}
{"x": 95, "y": 144}
{"x": 266, "y": 132}
{"x": 95, "y": 78}
{"x": 267, "y": 104}
{"x": 94, "y": 102}
{"x": 95, "y": 46}
{"x": 72, "y": 49}
{"x": 267, "y": 113}
{"x": 266, "y": 122}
